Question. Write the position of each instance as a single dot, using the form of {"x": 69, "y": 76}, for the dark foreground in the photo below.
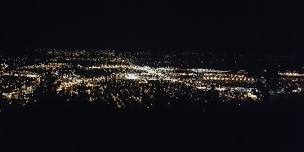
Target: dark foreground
{"x": 55, "y": 126}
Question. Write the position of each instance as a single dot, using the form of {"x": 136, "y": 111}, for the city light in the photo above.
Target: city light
{"x": 123, "y": 78}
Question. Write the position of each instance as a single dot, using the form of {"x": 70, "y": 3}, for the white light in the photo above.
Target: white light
{"x": 131, "y": 76}
{"x": 252, "y": 96}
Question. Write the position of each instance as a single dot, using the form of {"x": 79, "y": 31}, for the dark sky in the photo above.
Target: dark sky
{"x": 251, "y": 25}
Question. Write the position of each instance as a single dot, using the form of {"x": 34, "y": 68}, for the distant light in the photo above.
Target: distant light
{"x": 252, "y": 96}
{"x": 131, "y": 76}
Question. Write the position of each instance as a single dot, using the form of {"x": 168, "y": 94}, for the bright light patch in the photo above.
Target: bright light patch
{"x": 252, "y": 96}
{"x": 131, "y": 76}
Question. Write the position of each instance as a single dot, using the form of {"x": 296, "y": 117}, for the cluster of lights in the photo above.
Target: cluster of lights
{"x": 18, "y": 86}
{"x": 116, "y": 80}
{"x": 291, "y": 74}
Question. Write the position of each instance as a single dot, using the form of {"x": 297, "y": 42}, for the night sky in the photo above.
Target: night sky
{"x": 250, "y": 26}
{"x": 254, "y": 26}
